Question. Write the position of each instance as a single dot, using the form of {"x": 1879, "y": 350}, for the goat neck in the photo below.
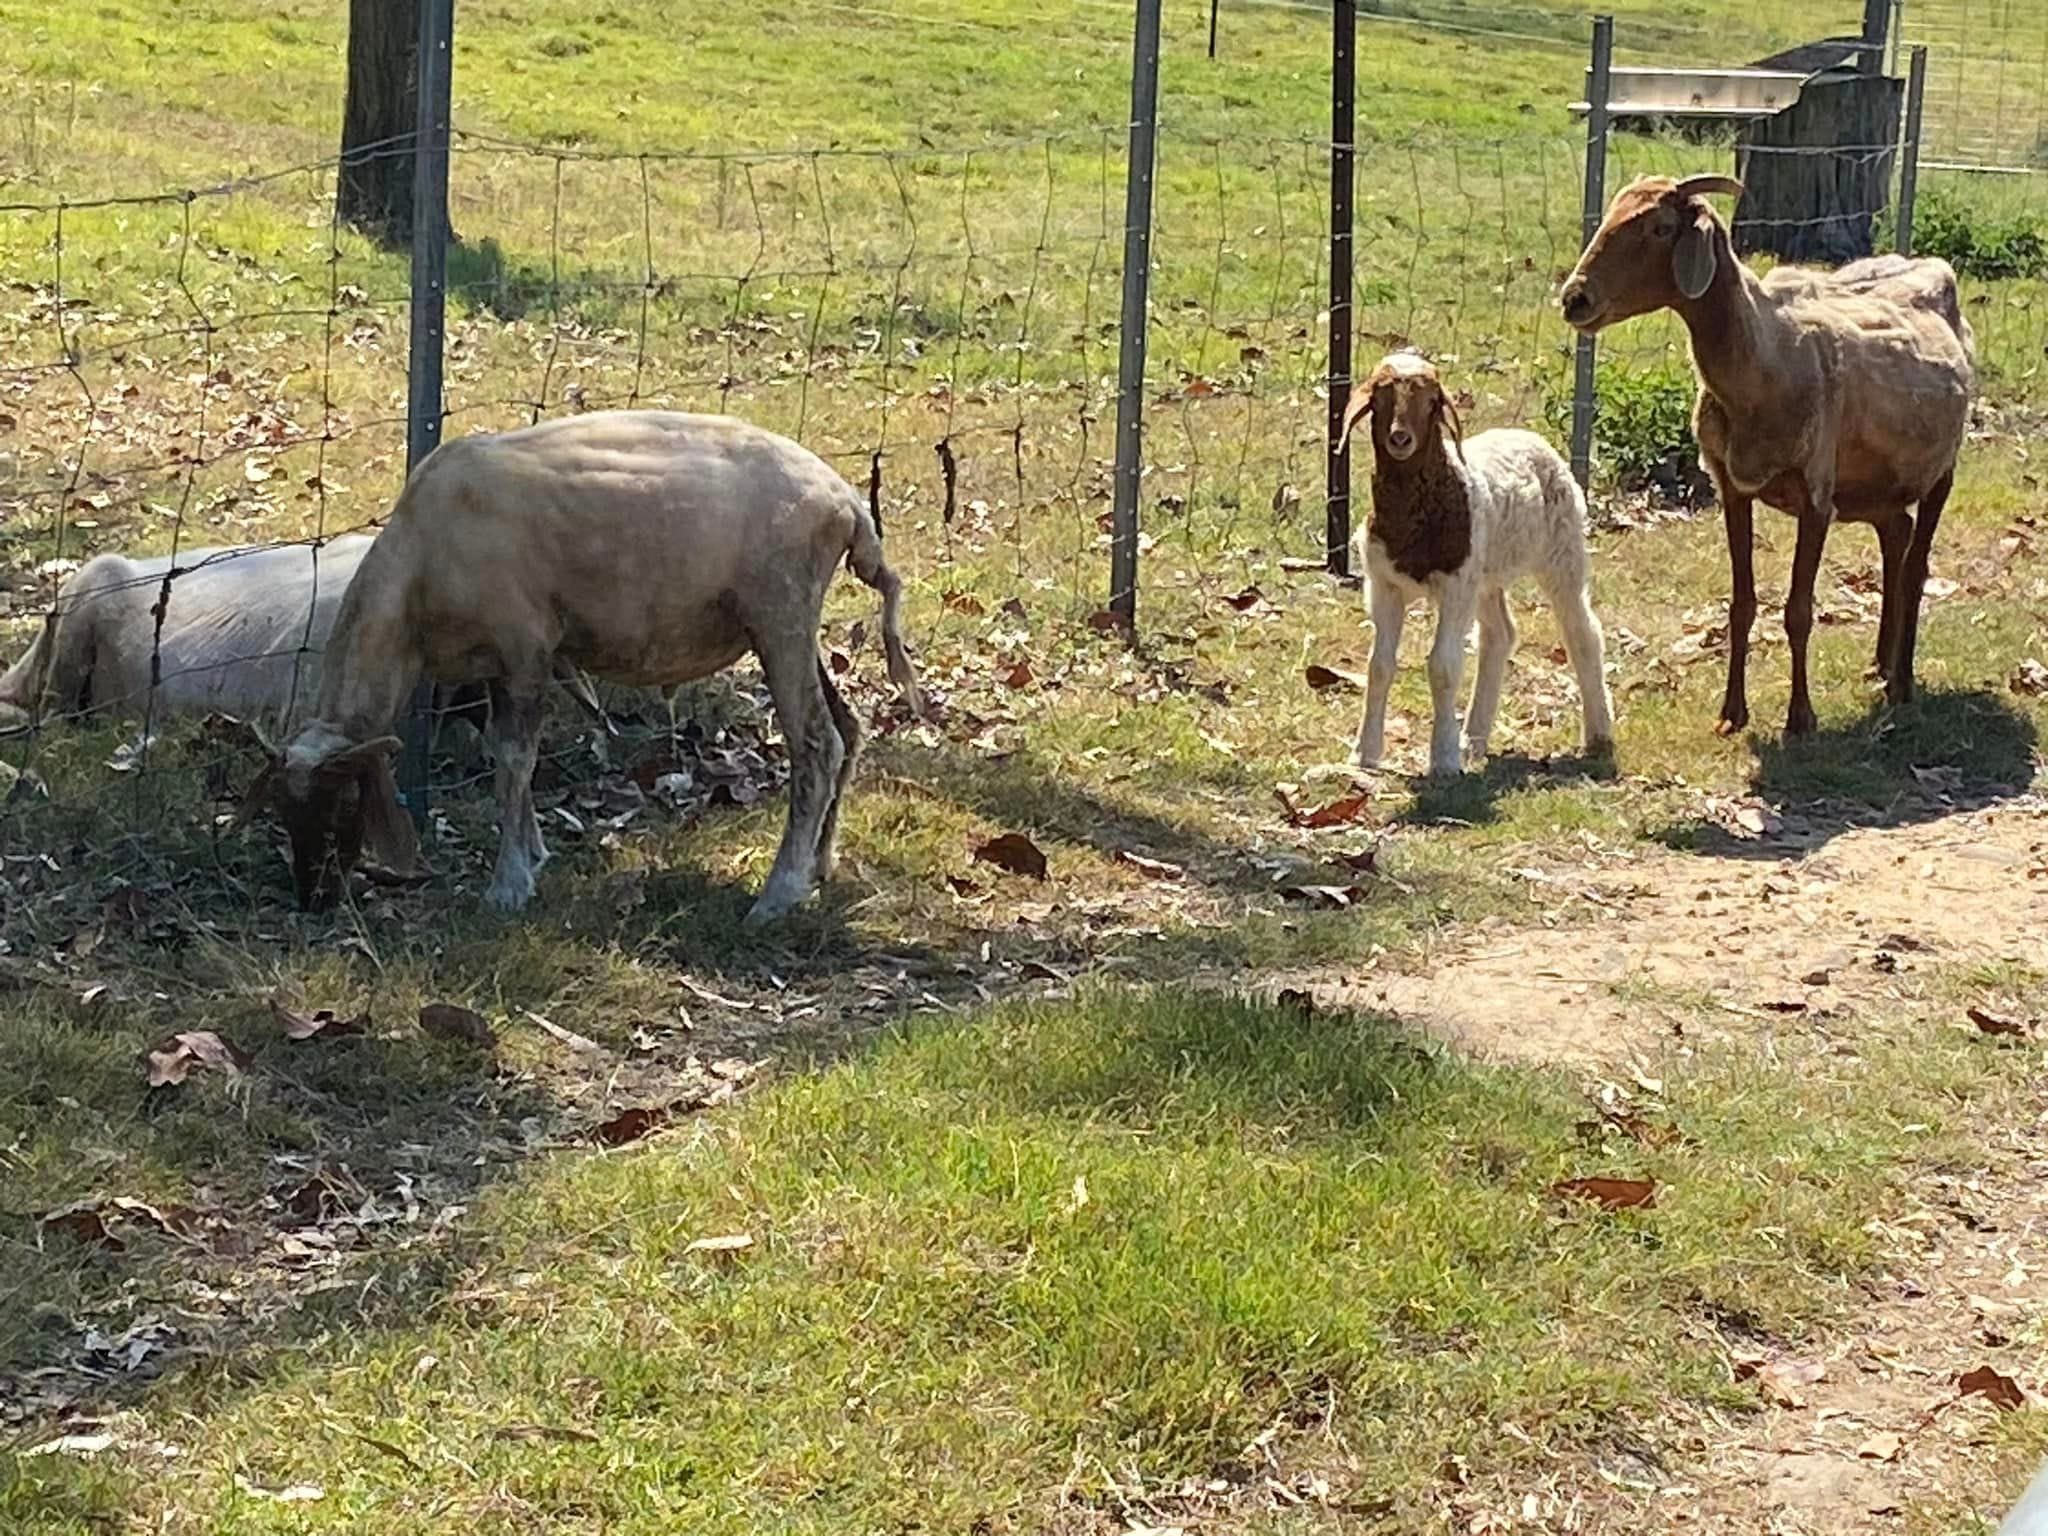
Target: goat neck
{"x": 1732, "y": 328}
{"x": 372, "y": 663}
{"x": 1421, "y": 509}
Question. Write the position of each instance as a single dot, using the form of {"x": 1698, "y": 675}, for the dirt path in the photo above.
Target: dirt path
{"x": 1781, "y": 929}
{"x": 1779, "y": 935}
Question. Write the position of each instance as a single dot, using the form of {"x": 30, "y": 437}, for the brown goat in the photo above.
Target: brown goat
{"x": 1829, "y": 396}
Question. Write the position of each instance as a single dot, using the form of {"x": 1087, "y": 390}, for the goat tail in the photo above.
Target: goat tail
{"x": 864, "y": 558}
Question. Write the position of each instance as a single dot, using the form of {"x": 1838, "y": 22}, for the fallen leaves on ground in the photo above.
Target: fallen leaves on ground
{"x": 1613, "y": 1194}
{"x": 1996, "y": 1023}
{"x": 172, "y": 1060}
{"x": 1014, "y": 852}
{"x": 1782, "y": 1381}
{"x": 2029, "y": 678}
{"x": 1337, "y": 813}
{"x": 1322, "y": 678}
{"x": 1882, "y": 1446}
{"x": 733, "y": 1242}
{"x": 1156, "y": 869}
{"x": 465, "y": 1026}
{"x": 83, "y": 1223}
{"x": 322, "y": 1024}
{"x": 1995, "y": 1385}
{"x": 1247, "y": 600}
{"x": 1335, "y": 898}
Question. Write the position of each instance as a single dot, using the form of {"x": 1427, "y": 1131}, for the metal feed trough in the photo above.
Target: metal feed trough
{"x": 1722, "y": 95}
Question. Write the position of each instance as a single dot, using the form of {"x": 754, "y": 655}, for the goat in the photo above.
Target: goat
{"x": 242, "y": 632}
{"x": 242, "y": 628}
{"x": 1829, "y": 396}
{"x": 1459, "y": 528}
{"x": 650, "y": 547}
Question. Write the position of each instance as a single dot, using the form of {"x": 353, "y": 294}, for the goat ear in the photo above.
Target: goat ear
{"x": 1450, "y": 411}
{"x": 1360, "y": 404}
{"x": 1692, "y": 259}
{"x": 388, "y": 836}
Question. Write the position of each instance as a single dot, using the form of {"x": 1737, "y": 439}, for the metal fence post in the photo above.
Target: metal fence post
{"x": 429, "y": 303}
{"x": 1343, "y": 182}
{"x": 1909, "y": 162}
{"x": 1584, "y": 401}
{"x": 1130, "y": 376}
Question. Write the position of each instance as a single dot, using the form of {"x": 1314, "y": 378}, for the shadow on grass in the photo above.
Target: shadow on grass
{"x": 1474, "y": 799}
{"x": 1950, "y": 750}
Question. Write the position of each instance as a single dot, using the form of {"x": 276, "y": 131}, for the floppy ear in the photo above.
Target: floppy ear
{"x": 1692, "y": 259}
{"x": 388, "y": 835}
{"x": 1451, "y": 415}
{"x": 1360, "y": 404}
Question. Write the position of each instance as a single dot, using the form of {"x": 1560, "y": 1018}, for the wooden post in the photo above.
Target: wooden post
{"x": 429, "y": 303}
{"x": 1343, "y": 180}
{"x": 1585, "y": 402}
{"x": 1877, "y": 27}
{"x": 1816, "y": 176}
{"x": 1130, "y": 380}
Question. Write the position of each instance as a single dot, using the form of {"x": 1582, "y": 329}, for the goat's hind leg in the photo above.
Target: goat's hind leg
{"x": 1585, "y": 646}
{"x": 1738, "y": 517}
{"x": 517, "y": 706}
{"x": 817, "y": 754}
{"x": 1456, "y": 605}
{"x": 1913, "y": 585}
{"x": 1894, "y": 535}
{"x": 1496, "y": 645}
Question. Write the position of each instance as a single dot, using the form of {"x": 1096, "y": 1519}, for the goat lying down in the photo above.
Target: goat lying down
{"x": 1457, "y": 522}
{"x": 242, "y": 634}
{"x": 648, "y": 547}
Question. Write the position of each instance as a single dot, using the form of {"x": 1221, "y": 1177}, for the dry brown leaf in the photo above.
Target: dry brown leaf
{"x": 735, "y": 1242}
{"x": 1105, "y": 619}
{"x": 1294, "y": 1000}
{"x": 1197, "y": 387}
{"x": 1246, "y": 600}
{"x": 1987, "y": 1382}
{"x": 171, "y": 1220}
{"x": 1782, "y": 1381}
{"x": 1019, "y": 676}
{"x": 1996, "y": 1023}
{"x": 83, "y": 1223}
{"x": 1366, "y": 861}
{"x": 465, "y": 1026}
{"x": 1156, "y": 869}
{"x": 323, "y": 1024}
{"x": 172, "y": 1060}
{"x": 1337, "y": 813}
{"x": 2029, "y": 677}
{"x": 1322, "y": 678}
{"x": 1882, "y": 1446}
{"x": 962, "y": 886}
{"x": 1613, "y": 1194}
{"x": 840, "y": 662}
{"x": 964, "y": 602}
{"x": 630, "y": 1125}
{"x": 1015, "y": 852}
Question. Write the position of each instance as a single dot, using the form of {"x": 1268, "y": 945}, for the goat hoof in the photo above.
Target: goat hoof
{"x": 1729, "y": 723}
{"x": 1601, "y": 747}
{"x": 508, "y": 898}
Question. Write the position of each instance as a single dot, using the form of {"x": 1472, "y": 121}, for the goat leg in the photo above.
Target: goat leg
{"x": 515, "y": 727}
{"x": 1913, "y": 585}
{"x": 1456, "y": 605}
{"x": 1389, "y": 613}
{"x": 789, "y": 659}
{"x": 1496, "y": 645}
{"x": 1813, "y": 538}
{"x": 1737, "y": 516}
{"x": 1893, "y": 535}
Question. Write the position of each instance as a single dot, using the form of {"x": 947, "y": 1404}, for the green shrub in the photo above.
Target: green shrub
{"x": 1978, "y": 242}
{"x": 1642, "y": 436}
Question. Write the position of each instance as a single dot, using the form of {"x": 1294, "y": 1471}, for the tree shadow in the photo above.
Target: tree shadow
{"x": 1474, "y": 799}
{"x": 1951, "y": 750}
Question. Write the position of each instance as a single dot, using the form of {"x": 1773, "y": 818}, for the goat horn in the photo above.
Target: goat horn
{"x": 1699, "y": 186}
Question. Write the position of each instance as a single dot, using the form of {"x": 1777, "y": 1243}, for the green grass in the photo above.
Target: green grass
{"x": 1034, "y": 1256}
{"x": 1287, "y": 1221}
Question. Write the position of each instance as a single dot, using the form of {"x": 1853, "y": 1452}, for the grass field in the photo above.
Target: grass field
{"x": 1059, "y": 1213}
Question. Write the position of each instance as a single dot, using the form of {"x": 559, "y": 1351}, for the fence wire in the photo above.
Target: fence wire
{"x": 216, "y": 374}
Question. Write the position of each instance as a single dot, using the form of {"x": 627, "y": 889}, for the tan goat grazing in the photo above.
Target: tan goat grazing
{"x": 648, "y": 547}
{"x": 1827, "y": 395}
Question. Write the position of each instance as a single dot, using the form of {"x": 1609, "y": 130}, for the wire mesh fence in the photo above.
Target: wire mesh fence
{"x": 200, "y": 371}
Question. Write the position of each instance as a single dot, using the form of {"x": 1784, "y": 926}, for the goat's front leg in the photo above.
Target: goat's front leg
{"x": 1456, "y": 606}
{"x": 1738, "y": 515}
{"x": 1389, "y": 612}
{"x": 514, "y": 738}
{"x": 1813, "y": 538}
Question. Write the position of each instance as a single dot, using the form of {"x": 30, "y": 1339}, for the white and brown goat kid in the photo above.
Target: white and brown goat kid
{"x": 1457, "y": 521}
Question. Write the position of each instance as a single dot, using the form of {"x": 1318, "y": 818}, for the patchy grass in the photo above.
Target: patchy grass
{"x": 1048, "y": 1257}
